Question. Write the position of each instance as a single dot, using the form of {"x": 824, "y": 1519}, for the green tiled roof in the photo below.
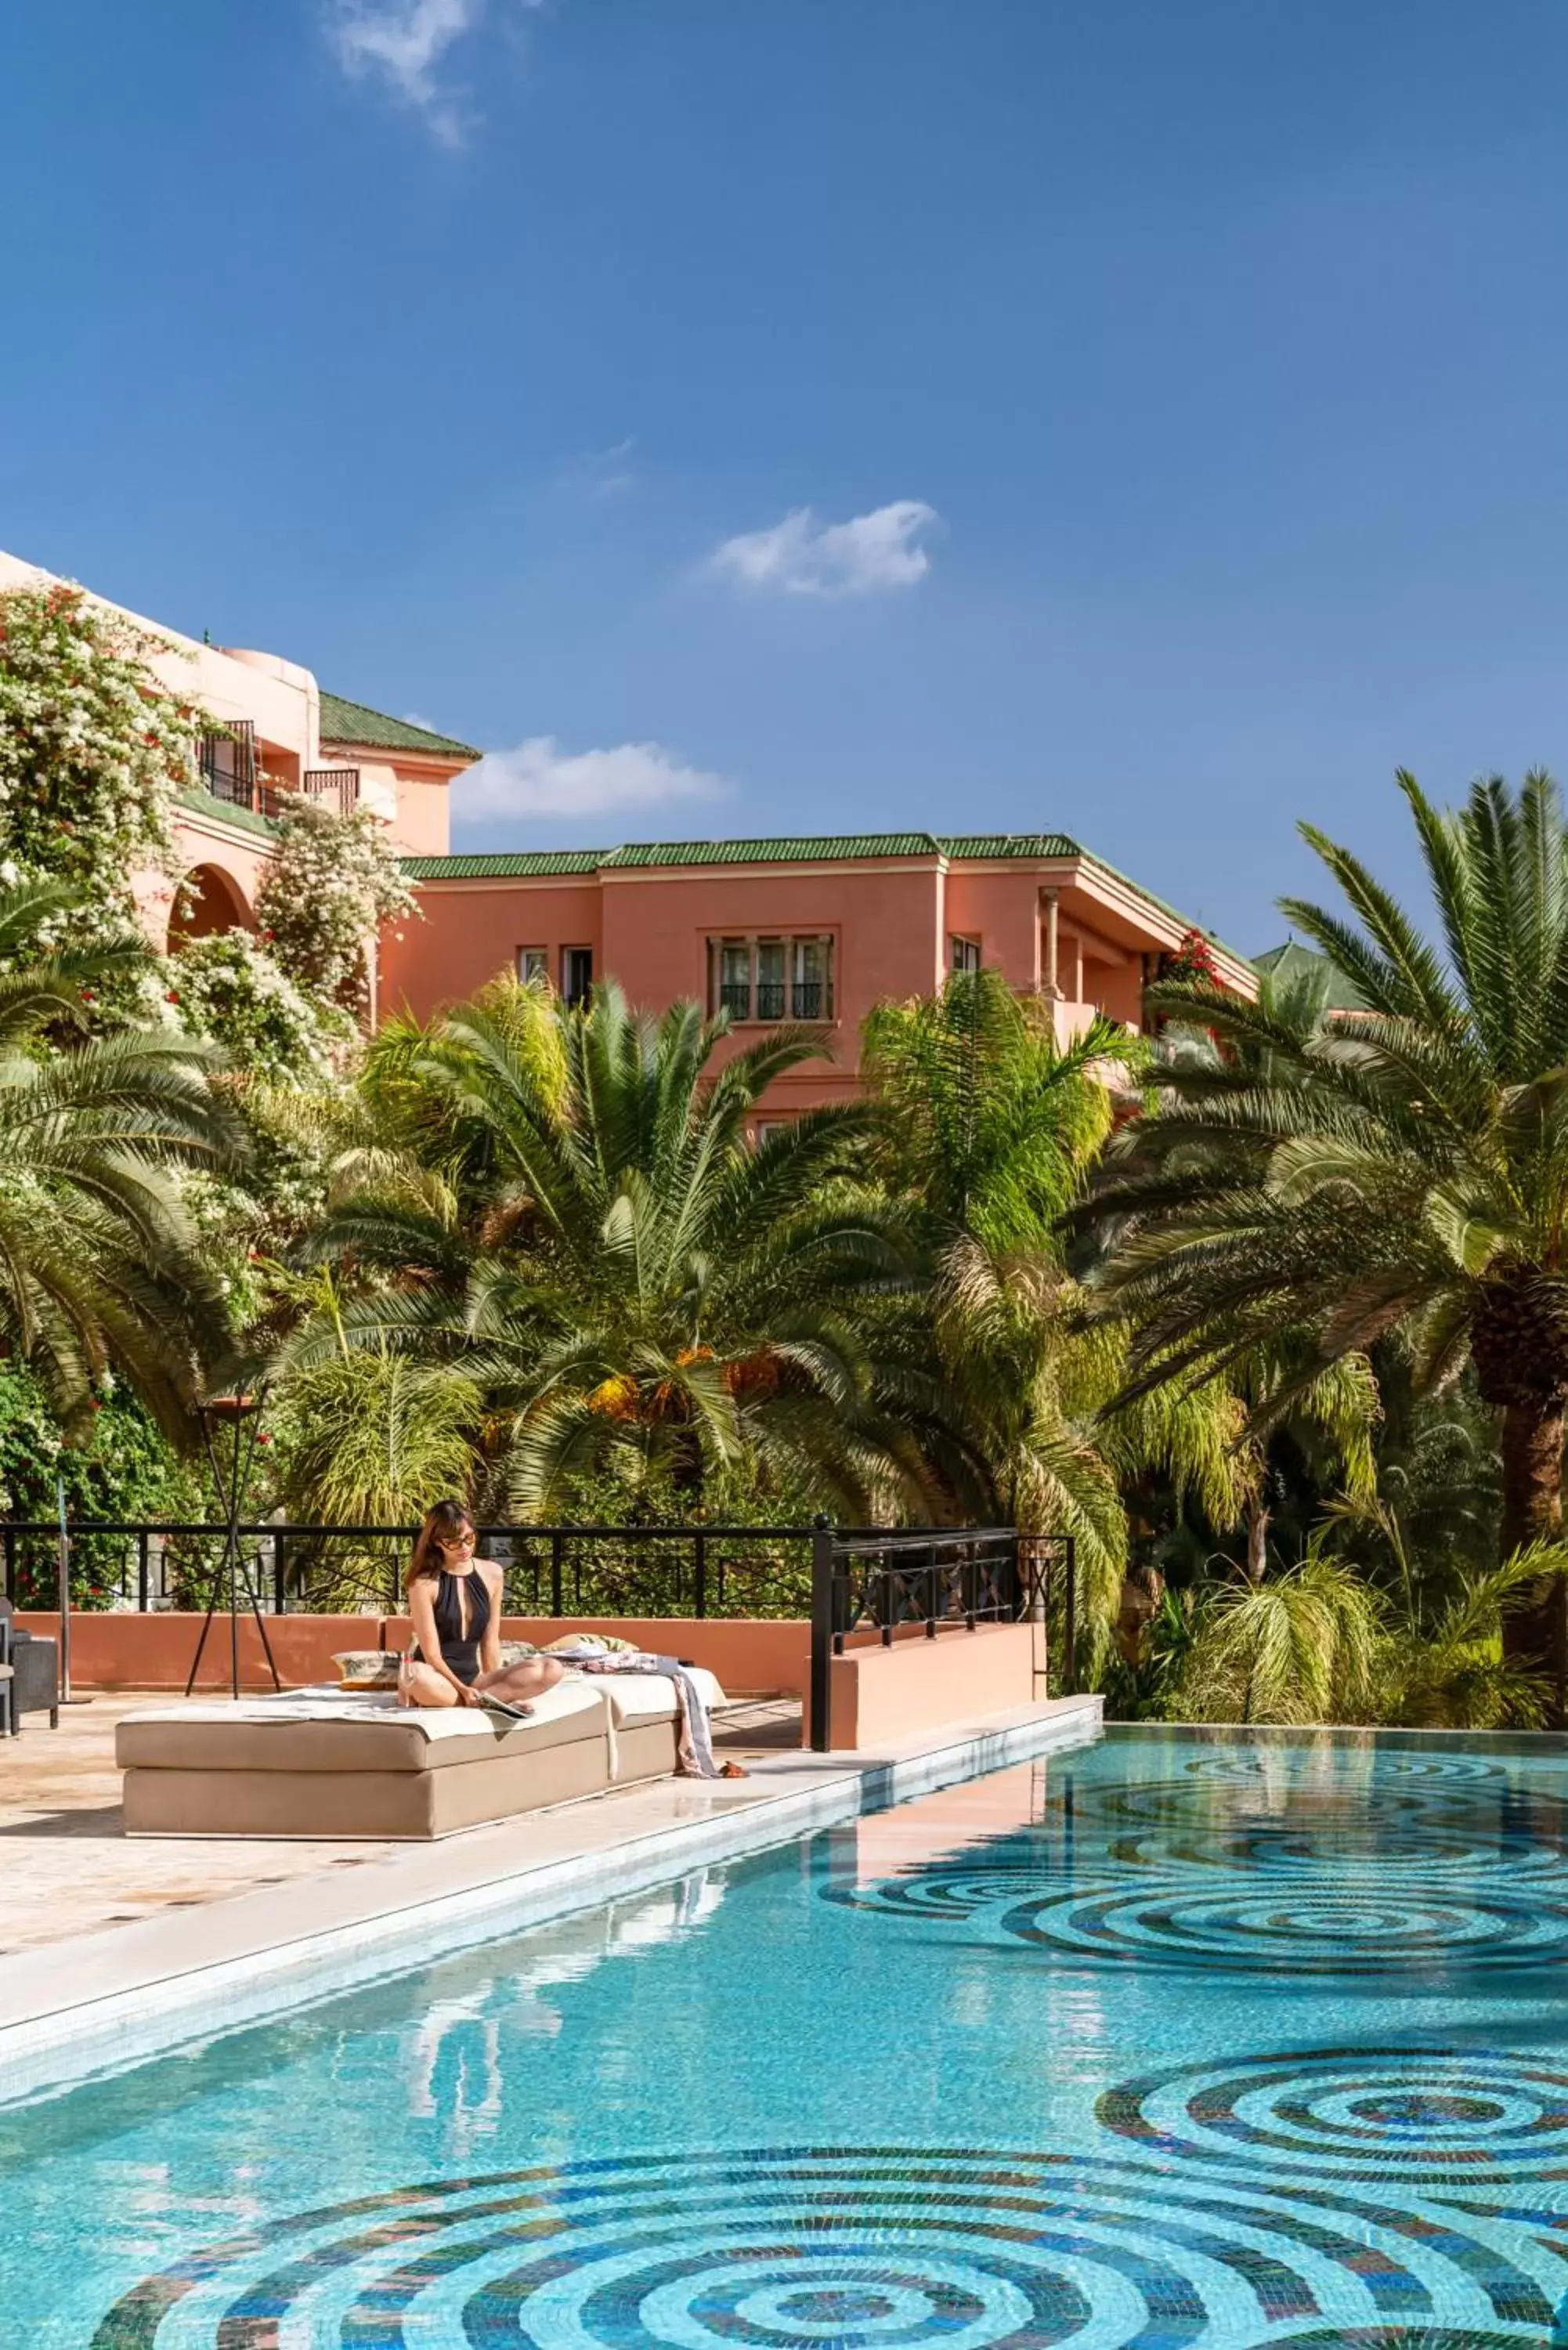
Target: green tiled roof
{"x": 525, "y": 865}
{"x": 352, "y": 721}
{"x": 829, "y": 849}
{"x": 1293, "y": 961}
{"x": 965, "y": 847}
{"x": 962, "y": 846}
{"x": 825, "y": 848}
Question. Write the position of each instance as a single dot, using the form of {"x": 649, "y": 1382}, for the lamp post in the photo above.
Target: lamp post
{"x": 236, "y": 1418}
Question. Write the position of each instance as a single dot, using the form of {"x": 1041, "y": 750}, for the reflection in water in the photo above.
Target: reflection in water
{"x": 455, "y": 2071}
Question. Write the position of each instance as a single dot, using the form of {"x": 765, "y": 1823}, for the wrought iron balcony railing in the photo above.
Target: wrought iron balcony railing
{"x": 337, "y": 786}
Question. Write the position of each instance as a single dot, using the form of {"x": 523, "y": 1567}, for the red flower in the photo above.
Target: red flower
{"x": 264, "y": 1438}
{"x": 89, "y": 996}
{"x": 172, "y": 995}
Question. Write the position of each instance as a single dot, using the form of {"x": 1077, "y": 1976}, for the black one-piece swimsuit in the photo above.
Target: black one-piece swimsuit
{"x": 459, "y": 1650}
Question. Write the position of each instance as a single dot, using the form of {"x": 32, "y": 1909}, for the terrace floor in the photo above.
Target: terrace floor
{"x": 68, "y": 1870}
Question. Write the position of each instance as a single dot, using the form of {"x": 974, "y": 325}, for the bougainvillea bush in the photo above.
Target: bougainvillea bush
{"x": 335, "y": 879}
{"x": 94, "y": 753}
{"x": 231, "y": 989}
{"x": 1193, "y": 960}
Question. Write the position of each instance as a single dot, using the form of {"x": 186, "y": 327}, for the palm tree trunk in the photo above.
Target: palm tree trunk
{"x": 1257, "y": 1540}
{"x": 1537, "y": 1635}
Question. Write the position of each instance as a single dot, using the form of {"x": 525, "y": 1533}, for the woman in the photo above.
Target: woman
{"x": 454, "y": 1606}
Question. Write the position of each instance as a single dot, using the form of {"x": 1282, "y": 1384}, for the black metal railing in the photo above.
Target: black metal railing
{"x": 938, "y": 1581}
{"x": 339, "y": 786}
{"x": 735, "y": 998}
{"x": 646, "y": 1571}
{"x": 227, "y": 764}
{"x": 810, "y": 1000}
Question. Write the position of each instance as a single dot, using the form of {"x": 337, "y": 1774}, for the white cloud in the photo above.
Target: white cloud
{"x": 406, "y": 42}
{"x": 806, "y": 558}
{"x": 539, "y": 779}
{"x": 600, "y": 475}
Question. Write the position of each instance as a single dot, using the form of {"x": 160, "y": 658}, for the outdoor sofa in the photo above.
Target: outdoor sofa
{"x": 29, "y": 1675}
{"x": 339, "y": 1763}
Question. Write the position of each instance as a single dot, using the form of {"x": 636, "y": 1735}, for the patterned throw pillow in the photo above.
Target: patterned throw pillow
{"x": 518, "y": 1652}
{"x": 603, "y": 1644}
{"x": 363, "y": 1669}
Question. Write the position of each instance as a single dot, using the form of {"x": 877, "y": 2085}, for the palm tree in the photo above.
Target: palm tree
{"x": 987, "y": 1131}
{"x": 100, "y": 1266}
{"x": 1400, "y": 1174}
{"x": 564, "y": 1205}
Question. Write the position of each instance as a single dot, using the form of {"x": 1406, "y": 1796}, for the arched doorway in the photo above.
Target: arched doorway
{"x": 207, "y": 902}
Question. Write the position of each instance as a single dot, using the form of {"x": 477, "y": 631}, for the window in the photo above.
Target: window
{"x": 735, "y": 978}
{"x": 533, "y": 963}
{"x": 770, "y": 977}
{"x": 964, "y": 955}
{"x": 768, "y": 1126}
{"x": 576, "y": 973}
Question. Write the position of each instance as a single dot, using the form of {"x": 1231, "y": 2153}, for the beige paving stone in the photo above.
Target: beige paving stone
{"x": 70, "y": 1871}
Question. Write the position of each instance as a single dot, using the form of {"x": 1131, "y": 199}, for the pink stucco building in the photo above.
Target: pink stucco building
{"x": 813, "y": 931}
{"x": 801, "y": 929}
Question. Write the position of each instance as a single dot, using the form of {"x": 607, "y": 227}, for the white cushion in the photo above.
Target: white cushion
{"x": 330, "y": 1703}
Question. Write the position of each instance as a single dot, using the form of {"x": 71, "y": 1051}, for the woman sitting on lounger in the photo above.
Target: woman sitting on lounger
{"x": 454, "y": 1606}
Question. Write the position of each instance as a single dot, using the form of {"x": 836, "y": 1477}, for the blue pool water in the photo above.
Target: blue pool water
{"x": 1172, "y": 2040}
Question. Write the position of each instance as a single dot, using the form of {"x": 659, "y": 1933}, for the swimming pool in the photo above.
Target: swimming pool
{"x": 1172, "y": 2040}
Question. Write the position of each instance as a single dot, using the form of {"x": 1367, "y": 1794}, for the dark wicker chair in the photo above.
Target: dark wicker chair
{"x": 32, "y": 1684}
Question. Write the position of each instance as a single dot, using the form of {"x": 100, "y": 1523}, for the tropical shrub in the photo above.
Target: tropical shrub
{"x": 122, "y": 1469}
{"x": 94, "y": 753}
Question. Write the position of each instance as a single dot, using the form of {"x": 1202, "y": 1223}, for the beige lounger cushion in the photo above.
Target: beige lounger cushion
{"x": 311, "y": 1730}
{"x": 348, "y": 1804}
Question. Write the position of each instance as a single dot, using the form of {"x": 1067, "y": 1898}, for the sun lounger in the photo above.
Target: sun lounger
{"x": 341, "y": 1764}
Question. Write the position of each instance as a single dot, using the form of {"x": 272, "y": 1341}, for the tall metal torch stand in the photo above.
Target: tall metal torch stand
{"x": 237, "y": 1417}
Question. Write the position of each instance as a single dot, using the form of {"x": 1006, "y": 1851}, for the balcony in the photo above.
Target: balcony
{"x": 338, "y": 787}
{"x": 230, "y": 771}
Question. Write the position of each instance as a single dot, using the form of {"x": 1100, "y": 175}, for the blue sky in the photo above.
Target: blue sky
{"x": 1145, "y": 417}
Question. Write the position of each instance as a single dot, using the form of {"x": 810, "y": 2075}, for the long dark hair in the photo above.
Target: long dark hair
{"x": 447, "y": 1520}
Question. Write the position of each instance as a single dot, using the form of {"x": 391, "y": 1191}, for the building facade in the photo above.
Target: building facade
{"x": 810, "y": 931}
{"x": 281, "y": 733}
{"x": 805, "y": 930}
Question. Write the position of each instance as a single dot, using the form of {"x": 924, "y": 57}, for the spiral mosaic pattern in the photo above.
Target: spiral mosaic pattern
{"x": 1359, "y": 1849}
{"x": 858, "y": 2248}
{"x": 1318, "y": 1925}
{"x": 1440, "y": 2121}
{"x": 1317, "y": 1921}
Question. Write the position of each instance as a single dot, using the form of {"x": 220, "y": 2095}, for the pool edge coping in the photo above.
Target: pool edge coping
{"x": 166, "y": 2006}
